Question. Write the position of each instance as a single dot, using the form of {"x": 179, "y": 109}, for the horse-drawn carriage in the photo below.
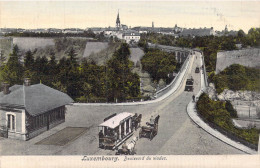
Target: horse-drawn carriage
{"x": 151, "y": 130}
{"x": 136, "y": 120}
{"x": 128, "y": 148}
{"x": 116, "y": 129}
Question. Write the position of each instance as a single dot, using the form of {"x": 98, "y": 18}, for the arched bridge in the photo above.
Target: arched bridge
{"x": 180, "y": 53}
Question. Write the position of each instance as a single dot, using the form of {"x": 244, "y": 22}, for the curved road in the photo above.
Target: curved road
{"x": 177, "y": 134}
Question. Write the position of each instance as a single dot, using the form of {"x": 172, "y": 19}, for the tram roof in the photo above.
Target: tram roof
{"x": 116, "y": 120}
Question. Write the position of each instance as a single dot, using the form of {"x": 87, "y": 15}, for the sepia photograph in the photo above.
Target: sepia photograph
{"x": 123, "y": 82}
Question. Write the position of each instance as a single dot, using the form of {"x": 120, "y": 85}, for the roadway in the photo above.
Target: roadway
{"x": 177, "y": 134}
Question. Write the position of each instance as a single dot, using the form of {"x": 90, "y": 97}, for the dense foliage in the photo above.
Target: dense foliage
{"x": 210, "y": 45}
{"x": 217, "y": 112}
{"x": 88, "y": 33}
{"x": 159, "y": 64}
{"x": 85, "y": 82}
{"x": 237, "y": 77}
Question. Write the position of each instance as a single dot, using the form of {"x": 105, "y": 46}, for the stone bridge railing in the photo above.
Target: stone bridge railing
{"x": 180, "y": 53}
{"x": 185, "y": 53}
{"x": 172, "y": 84}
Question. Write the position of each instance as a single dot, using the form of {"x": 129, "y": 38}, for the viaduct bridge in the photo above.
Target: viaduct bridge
{"x": 180, "y": 53}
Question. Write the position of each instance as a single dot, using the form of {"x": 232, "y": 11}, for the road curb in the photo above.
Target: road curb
{"x": 197, "y": 120}
{"x": 192, "y": 113}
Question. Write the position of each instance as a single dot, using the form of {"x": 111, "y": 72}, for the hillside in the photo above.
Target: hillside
{"x": 5, "y": 46}
{"x": 247, "y": 57}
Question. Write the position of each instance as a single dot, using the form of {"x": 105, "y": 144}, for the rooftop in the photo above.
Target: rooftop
{"x": 116, "y": 120}
{"x": 35, "y": 99}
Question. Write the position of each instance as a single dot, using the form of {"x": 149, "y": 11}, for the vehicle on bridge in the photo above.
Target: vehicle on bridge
{"x": 189, "y": 85}
{"x": 151, "y": 130}
{"x": 115, "y": 130}
{"x": 197, "y": 70}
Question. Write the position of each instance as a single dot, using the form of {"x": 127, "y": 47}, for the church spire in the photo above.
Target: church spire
{"x": 118, "y": 20}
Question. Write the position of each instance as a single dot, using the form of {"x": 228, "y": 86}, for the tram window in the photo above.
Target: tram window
{"x": 117, "y": 131}
{"x": 122, "y": 130}
{"x": 127, "y": 126}
{"x": 105, "y": 131}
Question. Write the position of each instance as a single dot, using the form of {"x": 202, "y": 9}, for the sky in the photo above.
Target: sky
{"x": 82, "y": 14}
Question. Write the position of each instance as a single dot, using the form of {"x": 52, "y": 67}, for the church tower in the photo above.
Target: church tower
{"x": 226, "y": 29}
{"x": 118, "y": 21}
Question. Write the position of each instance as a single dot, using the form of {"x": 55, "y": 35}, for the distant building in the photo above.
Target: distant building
{"x": 53, "y": 30}
{"x": 225, "y": 32}
{"x": 197, "y": 32}
{"x": 72, "y": 31}
{"x": 97, "y": 30}
{"x": 28, "y": 110}
{"x": 177, "y": 29}
{"x": 131, "y": 36}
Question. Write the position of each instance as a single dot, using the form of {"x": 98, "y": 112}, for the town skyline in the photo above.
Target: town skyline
{"x": 84, "y": 14}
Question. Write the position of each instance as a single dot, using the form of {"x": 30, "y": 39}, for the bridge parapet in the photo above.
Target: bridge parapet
{"x": 180, "y": 53}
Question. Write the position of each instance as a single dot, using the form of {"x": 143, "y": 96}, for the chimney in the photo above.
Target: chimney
{"x": 27, "y": 81}
{"x": 5, "y": 87}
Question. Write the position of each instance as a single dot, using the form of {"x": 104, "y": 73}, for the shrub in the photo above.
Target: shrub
{"x": 219, "y": 113}
{"x": 230, "y": 109}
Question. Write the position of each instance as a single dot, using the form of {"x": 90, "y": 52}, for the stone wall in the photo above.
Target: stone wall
{"x": 247, "y": 57}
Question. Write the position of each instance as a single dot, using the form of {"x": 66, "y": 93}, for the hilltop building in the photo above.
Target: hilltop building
{"x": 225, "y": 32}
{"x": 197, "y": 32}
{"x": 131, "y": 36}
{"x": 28, "y": 110}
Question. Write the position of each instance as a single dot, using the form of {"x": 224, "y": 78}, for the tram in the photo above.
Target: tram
{"x": 115, "y": 130}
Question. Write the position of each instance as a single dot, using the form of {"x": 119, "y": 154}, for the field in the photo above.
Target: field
{"x": 99, "y": 52}
{"x": 94, "y": 47}
{"x": 32, "y": 43}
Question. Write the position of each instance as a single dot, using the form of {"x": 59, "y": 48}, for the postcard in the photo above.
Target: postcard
{"x": 129, "y": 83}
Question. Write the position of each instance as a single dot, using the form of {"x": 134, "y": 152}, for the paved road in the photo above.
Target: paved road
{"x": 177, "y": 133}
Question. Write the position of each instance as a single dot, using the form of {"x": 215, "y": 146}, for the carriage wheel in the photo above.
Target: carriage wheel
{"x": 140, "y": 134}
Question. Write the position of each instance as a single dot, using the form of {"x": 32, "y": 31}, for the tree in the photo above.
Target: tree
{"x": 241, "y": 33}
{"x": 2, "y": 58}
{"x": 29, "y": 61}
{"x": 120, "y": 79}
{"x": 230, "y": 109}
{"x": 72, "y": 57}
{"x": 12, "y": 72}
{"x": 159, "y": 64}
{"x": 52, "y": 65}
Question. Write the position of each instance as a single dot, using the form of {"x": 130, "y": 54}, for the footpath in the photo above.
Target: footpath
{"x": 192, "y": 112}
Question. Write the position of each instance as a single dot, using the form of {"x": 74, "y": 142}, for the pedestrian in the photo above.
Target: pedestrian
{"x": 193, "y": 98}
{"x": 152, "y": 121}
